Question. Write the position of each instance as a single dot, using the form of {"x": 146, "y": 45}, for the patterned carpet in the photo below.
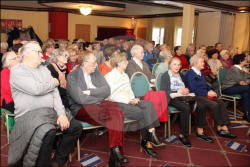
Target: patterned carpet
{"x": 216, "y": 154}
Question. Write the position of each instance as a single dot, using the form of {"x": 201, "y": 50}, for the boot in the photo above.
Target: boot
{"x": 113, "y": 162}
{"x": 152, "y": 138}
{"x": 118, "y": 155}
{"x": 147, "y": 147}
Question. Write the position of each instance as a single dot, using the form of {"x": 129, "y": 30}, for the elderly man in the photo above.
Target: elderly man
{"x": 39, "y": 113}
{"x": 87, "y": 89}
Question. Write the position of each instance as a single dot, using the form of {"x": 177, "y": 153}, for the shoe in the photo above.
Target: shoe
{"x": 118, "y": 155}
{"x": 185, "y": 141}
{"x": 113, "y": 162}
{"x": 152, "y": 138}
{"x": 147, "y": 147}
{"x": 226, "y": 134}
{"x": 204, "y": 137}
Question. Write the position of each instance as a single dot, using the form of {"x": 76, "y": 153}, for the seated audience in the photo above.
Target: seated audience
{"x": 173, "y": 83}
{"x": 48, "y": 47}
{"x": 9, "y": 60}
{"x": 226, "y": 63}
{"x": 98, "y": 53}
{"x": 62, "y": 44}
{"x": 87, "y": 46}
{"x": 73, "y": 59}
{"x": 126, "y": 48}
{"x": 190, "y": 51}
{"x": 237, "y": 81}
{"x": 179, "y": 54}
{"x": 137, "y": 65}
{"x": 165, "y": 57}
{"x": 105, "y": 67}
{"x": 39, "y": 112}
{"x": 219, "y": 47}
{"x": 149, "y": 58}
{"x": 205, "y": 95}
{"x": 134, "y": 108}
{"x": 164, "y": 47}
{"x": 213, "y": 61}
{"x": 88, "y": 89}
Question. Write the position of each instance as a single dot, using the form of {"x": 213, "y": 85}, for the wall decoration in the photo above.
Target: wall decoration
{"x": 8, "y": 24}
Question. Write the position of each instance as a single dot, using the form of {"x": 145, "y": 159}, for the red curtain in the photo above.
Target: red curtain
{"x": 58, "y": 22}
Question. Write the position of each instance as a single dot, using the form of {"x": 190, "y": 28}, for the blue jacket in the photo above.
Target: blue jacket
{"x": 149, "y": 59}
{"x": 197, "y": 84}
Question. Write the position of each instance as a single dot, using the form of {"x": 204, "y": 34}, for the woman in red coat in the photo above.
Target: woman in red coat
{"x": 179, "y": 53}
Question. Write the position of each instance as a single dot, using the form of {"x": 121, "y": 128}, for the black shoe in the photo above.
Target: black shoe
{"x": 152, "y": 138}
{"x": 226, "y": 134}
{"x": 118, "y": 155}
{"x": 185, "y": 141}
{"x": 148, "y": 150}
{"x": 204, "y": 137}
{"x": 113, "y": 162}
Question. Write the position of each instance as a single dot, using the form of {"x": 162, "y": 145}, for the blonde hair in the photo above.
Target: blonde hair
{"x": 135, "y": 49}
{"x": 117, "y": 57}
{"x": 84, "y": 56}
{"x": 224, "y": 52}
{"x": 48, "y": 43}
{"x": 195, "y": 58}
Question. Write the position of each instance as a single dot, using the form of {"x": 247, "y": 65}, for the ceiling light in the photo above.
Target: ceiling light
{"x": 85, "y": 10}
{"x": 242, "y": 11}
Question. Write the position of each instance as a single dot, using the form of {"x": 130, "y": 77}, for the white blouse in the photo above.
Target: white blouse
{"x": 120, "y": 87}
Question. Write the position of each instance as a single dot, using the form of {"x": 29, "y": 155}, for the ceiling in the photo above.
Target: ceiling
{"x": 127, "y": 8}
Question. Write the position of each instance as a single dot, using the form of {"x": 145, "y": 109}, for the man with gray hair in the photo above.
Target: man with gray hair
{"x": 39, "y": 113}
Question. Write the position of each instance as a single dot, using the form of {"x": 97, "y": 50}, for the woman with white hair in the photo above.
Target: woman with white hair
{"x": 9, "y": 60}
{"x": 197, "y": 84}
{"x": 59, "y": 71}
{"x": 165, "y": 57}
{"x": 225, "y": 61}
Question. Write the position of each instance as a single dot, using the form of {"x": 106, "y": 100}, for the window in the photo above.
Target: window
{"x": 158, "y": 35}
{"x": 178, "y": 36}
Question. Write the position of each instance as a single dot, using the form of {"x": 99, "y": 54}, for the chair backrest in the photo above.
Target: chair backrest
{"x": 154, "y": 68}
{"x": 139, "y": 84}
{"x": 184, "y": 72}
{"x": 158, "y": 81}
{"x": 221, "y": 75}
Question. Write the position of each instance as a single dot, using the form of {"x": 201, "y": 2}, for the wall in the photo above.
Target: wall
{"x": 94, "y": 22}
{"x": 38, "y": 20}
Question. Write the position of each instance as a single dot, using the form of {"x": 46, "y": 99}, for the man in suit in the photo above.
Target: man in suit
{"x": 87, "y": 89}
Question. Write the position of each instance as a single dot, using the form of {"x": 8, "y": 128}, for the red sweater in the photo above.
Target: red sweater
{"x": 206, "y": 70}
{"x": 5, "y": 86}
{"x": 184, "y": 61}
{"x": 69, "y": 65}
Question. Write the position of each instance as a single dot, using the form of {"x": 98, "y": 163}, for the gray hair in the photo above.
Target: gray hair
{"x": 195, "y": 58}
{"x": 56, "y": 53}
{"x": 27, "y": 48}
{"x": 6, "y": 58}
{"x": 135, "y": 49}
{"x": 172, "y": 60}
{"x": 163, "y": 55}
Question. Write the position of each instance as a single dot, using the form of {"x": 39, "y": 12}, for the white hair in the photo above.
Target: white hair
{"x": 135, "y": 49}
{"x": 163, "y": 55}
{"x": 56, "y": 53}
{"x": 27, "y": 48}
{"x": 6, "y": 58}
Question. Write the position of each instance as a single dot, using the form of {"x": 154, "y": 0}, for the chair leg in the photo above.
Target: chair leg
{"x": 7, "y": 126}
{"x": 235, "y": 110}
{"x": 165, "y": 130}
{"x": 78, "y": 149}
{"x": 169, "y": 132}
{"x": 189, "y": 129}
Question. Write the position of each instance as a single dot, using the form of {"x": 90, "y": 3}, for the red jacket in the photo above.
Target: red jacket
{"x": 69, "y": 65}
{"x": 45, "y": 56}
{"x": 184, "y": 62}
{"x": 5, "y": 86}
{"x": 206, "y": 70}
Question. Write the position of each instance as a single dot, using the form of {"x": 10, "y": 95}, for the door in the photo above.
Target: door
{"x": 141, "y": 33}
{"x": 83, "y": 32}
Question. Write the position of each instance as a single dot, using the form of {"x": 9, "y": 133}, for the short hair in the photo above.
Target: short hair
{"x": 27, "y": 48}
{"x": 189, "y": 47}
{"x": 62, "y": 42}
{"x": 117, "y": 57}
{"x": 109, "y": 51}
{"x": 194, "y": 59}
{"x": 172, "y": 60}
{"x": 211, "y": 52}
{"x": 71, "y": 49}
{"x": 56, "y": 53}
{"x": 16, "y": 47}
{"x": 238, "y": 58}
{"x": 84, "y": 56}
{"x": 217, "y": 44}
{"x": 134, "y": 50}
{"x": 86, "y": 45}
{"x": 163, "y": 55}
{"x": 6, "y": 59}
{"x": 223, "y": 52}
{"x": 48, "y": 43}
{"x": 176, "y": 48}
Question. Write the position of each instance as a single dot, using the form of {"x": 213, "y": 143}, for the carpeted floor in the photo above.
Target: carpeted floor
{"x": 216, "y": 154}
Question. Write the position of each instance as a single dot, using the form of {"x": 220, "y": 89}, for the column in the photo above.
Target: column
{"x": 187, "y": 25}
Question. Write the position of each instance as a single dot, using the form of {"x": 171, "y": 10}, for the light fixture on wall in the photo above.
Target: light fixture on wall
{"x": 85, "y": 10}
{"x": 133, "y": 22}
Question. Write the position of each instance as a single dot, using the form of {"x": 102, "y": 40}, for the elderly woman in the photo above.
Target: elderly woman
{"x": 134, "y": 108}
{"x": 225, "y": 61}
{"x": 62, "y": 44}
{"x": 48, "y": 47}
{"x": 73, "y": 61}
{"x": 213, "y": 61}
{"x": 237, "y": 81}
{"x": 105, "y": 67}
{"x": 137, "y": 65}
{"x": 179, "y": 54}
{"x": 173, "y": 84}
{"x": 207, "y": 97}
{"x": 59, "y": 70}
{"x": 190, "y": 51}
{"x": 9, "y": 60}
{"x": 165, "y": 57}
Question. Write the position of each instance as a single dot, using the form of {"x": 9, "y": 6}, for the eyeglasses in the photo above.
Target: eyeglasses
{"x": 38, "y": 51}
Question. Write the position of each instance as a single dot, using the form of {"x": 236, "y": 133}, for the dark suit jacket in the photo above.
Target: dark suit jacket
{"x": 133, "y": 68}
{"x": 76, "y": 84}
